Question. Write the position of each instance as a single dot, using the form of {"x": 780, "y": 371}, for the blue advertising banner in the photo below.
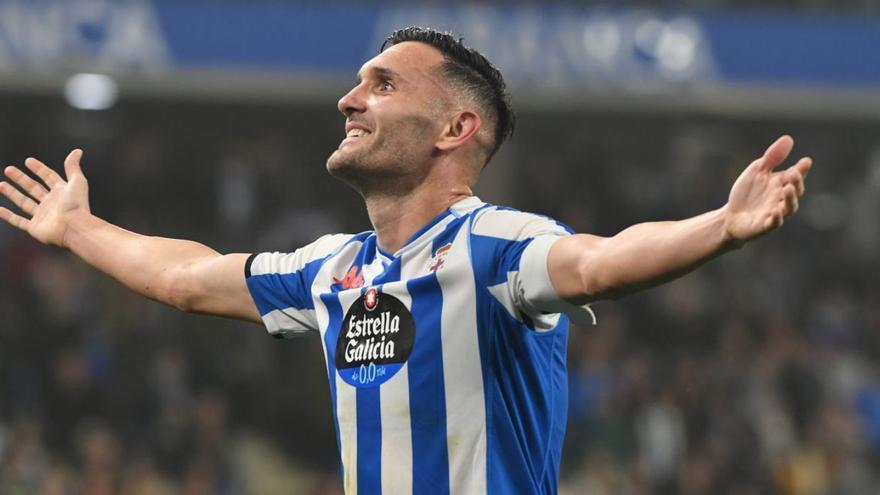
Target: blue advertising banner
{"x": 542, "y": 47}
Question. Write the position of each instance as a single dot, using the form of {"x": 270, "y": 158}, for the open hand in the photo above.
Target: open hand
{"x": 49, "y": 204}
{"x": 761, "y": 198}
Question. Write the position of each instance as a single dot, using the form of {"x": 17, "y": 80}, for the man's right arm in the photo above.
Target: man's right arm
{"x": 184, "y": 274}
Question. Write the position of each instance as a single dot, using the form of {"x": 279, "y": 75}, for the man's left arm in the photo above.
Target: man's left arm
{"x": 585, "y": 268}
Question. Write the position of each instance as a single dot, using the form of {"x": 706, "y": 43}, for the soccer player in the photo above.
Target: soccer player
{"x": 444, "y": 330}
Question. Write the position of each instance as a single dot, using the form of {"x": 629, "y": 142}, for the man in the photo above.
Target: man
{"x": 443, "y": 330}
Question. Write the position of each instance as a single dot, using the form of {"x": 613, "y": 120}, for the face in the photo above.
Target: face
{"x": 393, "y": 116}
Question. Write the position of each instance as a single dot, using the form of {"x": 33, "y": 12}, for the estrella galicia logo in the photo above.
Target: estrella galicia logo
{"x": 375, "y": 339}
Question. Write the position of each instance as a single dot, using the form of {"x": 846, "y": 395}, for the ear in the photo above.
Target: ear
{"x": 460, "y": 129}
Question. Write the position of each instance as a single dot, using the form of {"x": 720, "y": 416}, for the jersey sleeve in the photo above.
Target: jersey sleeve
{"x": 281, "y": 285}
{"x": 519, "y": 244}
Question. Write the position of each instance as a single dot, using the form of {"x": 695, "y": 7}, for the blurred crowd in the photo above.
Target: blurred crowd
{"x": 754, "y": 375}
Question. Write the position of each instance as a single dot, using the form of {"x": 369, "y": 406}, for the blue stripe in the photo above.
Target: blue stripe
{"x": 368, "y": 251}
{"x": 369, "y": 441}
{"x": 448, "y": 234}
{"x": 391, "y": 273}
{"x": 334, "y": 312}
{"x": 479, "y": 263}
{"x": 427, "y": 397}
{"x": 524, "y": 381}
{"x": 493, "y": 257}
{"x": 525, "y": 386}
{"x": 369, "y": 412}
{"x": 272, "y": 291}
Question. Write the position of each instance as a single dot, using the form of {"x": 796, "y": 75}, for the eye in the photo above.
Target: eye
{"x": 385, "y": 85}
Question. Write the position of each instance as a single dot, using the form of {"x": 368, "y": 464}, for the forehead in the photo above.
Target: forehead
{"x": 409, "y": 58}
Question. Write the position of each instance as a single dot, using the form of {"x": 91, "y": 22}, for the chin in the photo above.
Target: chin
{"x": 339, "y": 160}
{"x": 344, "y": 166}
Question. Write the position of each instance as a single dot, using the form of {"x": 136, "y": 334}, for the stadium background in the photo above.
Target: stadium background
{"x": 758, "y": 374}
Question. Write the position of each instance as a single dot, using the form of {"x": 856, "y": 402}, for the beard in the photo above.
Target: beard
{"x": 388, "y": 160}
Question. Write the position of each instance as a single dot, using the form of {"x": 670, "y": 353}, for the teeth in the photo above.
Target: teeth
{"x": 357, "y": 133}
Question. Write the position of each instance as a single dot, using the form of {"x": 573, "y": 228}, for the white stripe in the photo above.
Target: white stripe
{"x": 418, "y": 245}
{"x": 462, "y": 373}
{"x": 346, "y": 404}
{"x": 289, "y": 321}
{"x": 535, "y": 290}
{"x": 542, "y": 322}
{"x": 346, "y": 411}
{"x": 465, "y": 206}
{"x": 373, "y": 270}
{"x": 397, "y": 454}
{"x": 333, "y": 267}
{"x": 514, "y": 225}
{"x": 265, "y": 263}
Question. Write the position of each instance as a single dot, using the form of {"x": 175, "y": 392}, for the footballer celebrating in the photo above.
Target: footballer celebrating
{"x": 444, "y": 328}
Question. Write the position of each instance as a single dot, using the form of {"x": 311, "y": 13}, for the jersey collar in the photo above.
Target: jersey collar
{"x": 434, "y": 227}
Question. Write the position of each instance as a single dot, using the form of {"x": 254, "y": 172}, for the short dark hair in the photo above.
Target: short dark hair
{"x": 471, "y": 70}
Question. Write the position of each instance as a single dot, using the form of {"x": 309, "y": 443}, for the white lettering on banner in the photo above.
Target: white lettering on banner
{"x": 97, "y": 34}
{"x": 566, "y": 47}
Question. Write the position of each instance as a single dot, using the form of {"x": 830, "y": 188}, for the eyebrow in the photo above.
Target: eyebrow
{"x": 380, "y": 72}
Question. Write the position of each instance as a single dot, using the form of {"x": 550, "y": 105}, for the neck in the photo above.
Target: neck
{"x": 396, "y": 217}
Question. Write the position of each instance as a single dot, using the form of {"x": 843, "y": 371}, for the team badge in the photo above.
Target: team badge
{"x": 375, "y": 339}
{"x": 371, "y": 299}
{"x": 439, "y": 258}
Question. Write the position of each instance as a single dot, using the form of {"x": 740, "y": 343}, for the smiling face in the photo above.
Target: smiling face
{"x": 394, "y": 117}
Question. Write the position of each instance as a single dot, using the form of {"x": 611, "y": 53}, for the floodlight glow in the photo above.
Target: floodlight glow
{"x": 91, "y": 91}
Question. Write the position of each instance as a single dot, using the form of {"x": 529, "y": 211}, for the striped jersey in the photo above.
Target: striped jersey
{"x": 446, "y": 359}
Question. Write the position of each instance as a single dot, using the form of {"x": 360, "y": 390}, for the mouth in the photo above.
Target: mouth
{"x": 354, "y": 133}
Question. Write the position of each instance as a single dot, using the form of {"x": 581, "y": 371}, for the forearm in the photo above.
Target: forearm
{"x": 642, "y": 256}
{"x": 151, "y": 266}
{"x": 649, "y": 254}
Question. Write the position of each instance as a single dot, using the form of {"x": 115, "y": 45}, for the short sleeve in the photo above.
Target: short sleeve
{"x": 514, "y": 246}
{"x": 535, "y": 288}
{"x": 281, "y": 285}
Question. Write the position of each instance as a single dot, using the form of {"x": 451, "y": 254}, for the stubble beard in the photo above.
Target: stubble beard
{"x": 385, "y": 165}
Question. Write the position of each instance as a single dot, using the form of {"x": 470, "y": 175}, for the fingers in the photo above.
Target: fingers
{"x": 71, "y": 163}
{"x": 28, "y": 185}
{"x": 796, "y": 180}
{"x": 49, "y": 176}
{"x": 776, "y": 153}
{"x": 13, "y": 219}
{"x": 774, "y": 220}
{"x": 790, "y": 199}
{"x": 803, "y": 166}
{"x": 26, "y": 204}
{"x": 796, "y": 174}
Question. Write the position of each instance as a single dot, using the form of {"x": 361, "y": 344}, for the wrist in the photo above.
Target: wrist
{"x": 729, "y": 240}
{"x": 78, "y": 222}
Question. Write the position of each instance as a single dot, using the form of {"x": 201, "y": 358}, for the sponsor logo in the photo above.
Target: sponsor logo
{"x": 375, "y": 339}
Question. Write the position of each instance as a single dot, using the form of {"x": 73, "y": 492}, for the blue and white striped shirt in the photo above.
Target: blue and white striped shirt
{"x": 446, "y": 359}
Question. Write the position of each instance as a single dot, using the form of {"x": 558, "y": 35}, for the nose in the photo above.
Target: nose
{"x": 351, "y": 102}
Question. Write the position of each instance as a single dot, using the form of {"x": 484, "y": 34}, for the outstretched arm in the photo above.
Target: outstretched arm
{"x": 585, "y": 268}
{"x": 184, "y": 274}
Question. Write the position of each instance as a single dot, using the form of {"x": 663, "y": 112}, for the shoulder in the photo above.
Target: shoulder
{"x": 318, "y": 250}
{"x": 509, "y": 223}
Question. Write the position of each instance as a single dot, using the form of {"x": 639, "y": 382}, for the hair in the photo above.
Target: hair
{"x": 472, "y": 72}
